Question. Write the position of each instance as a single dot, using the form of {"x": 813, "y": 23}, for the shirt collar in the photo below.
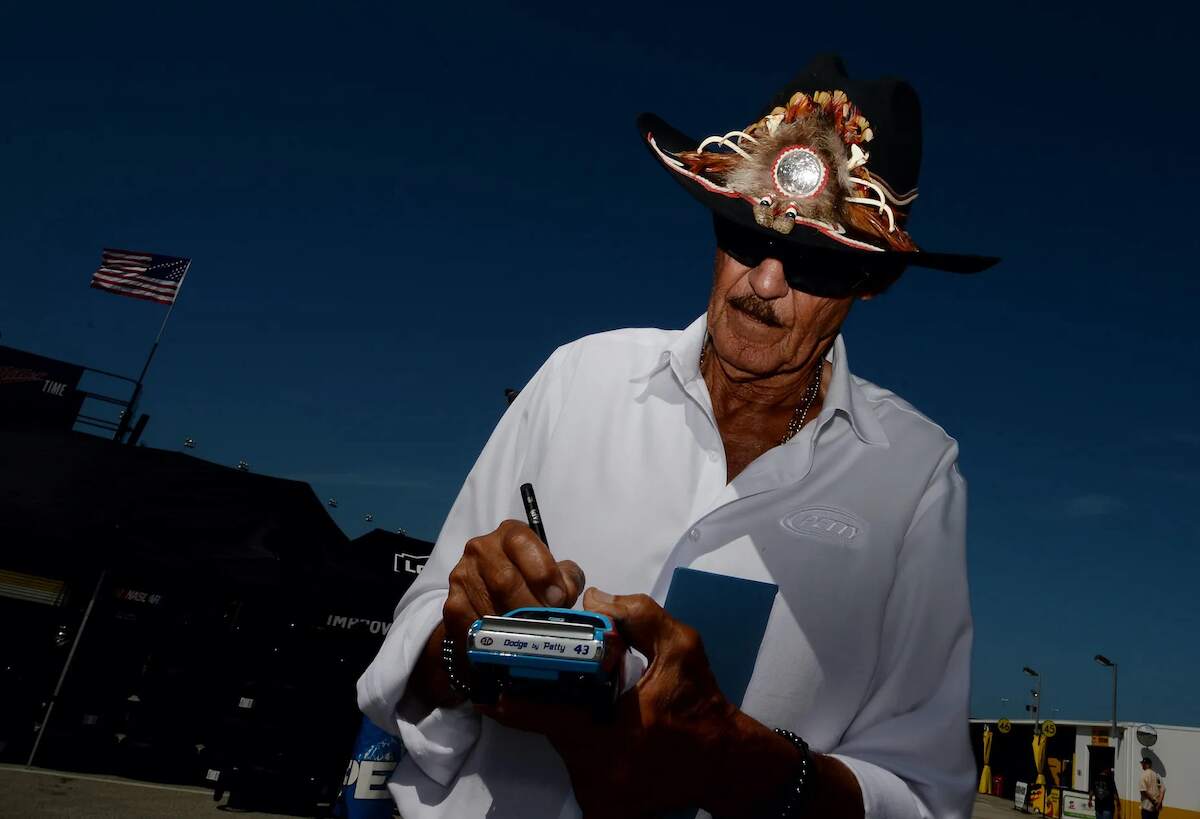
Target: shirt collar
{"x": 846, "y": 397}
{"x": 682, "y": 355}
{"x": 843, "y": 396}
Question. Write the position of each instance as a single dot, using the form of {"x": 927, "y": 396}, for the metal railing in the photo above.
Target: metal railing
{"x": 121, "y": 424}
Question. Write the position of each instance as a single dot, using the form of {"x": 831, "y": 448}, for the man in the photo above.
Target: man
{"x": 1103, "y": 795}
{"x": 1151, "y": 791}
{"x": 742, "y": 447}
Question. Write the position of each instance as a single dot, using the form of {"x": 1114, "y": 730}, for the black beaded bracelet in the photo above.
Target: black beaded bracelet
{"x": 791, "y": 803}
{"x": 457, "y": 684}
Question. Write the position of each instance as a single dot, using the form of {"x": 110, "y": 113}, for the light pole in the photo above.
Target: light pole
{"x": 1037, "y": 701}
{"x": 1039, "y": 739}
{"x": 1102, "y": 660}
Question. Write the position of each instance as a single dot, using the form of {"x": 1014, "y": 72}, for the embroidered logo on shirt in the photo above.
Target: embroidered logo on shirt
{"x": 825, "y": 523}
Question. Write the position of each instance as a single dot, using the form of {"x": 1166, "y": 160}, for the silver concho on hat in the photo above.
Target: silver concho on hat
{"x": 799, "y": 172}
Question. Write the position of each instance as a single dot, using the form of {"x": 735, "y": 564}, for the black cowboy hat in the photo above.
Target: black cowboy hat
{"x": 822, "y": 138}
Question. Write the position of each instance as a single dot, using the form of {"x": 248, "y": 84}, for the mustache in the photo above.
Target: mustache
{"x": 756, "y": 308}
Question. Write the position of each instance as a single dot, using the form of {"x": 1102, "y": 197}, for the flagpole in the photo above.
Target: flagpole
{"x": 127, "y": 417}
{"x": 66, "y": 667}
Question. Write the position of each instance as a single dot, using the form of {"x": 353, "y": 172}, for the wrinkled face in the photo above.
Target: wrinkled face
{"x": 760, "y": 326}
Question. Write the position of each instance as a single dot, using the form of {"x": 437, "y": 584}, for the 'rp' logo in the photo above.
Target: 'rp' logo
{"x": 486, "y": 641}
{"x": 824, "y": 522}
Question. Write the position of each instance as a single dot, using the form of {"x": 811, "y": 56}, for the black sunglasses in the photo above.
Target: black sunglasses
{"x": 814, "y": 270}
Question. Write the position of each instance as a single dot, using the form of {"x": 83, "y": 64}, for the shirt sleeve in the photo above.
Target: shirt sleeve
{"x": 908, "y": 746}
{"x": 439, "y": 741}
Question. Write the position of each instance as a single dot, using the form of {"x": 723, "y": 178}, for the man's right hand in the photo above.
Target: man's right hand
{"x": 498, "y": 572}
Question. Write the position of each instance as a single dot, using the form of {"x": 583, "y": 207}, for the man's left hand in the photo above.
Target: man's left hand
{"x": 665, "y": 745}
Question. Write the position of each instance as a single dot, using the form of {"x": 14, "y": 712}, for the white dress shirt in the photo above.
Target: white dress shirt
{"x": 859, "y": 520}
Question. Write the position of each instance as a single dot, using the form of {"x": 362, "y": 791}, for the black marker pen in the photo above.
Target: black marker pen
{"x": 532, "y": 513}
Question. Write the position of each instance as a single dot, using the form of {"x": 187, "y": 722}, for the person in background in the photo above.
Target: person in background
{"x": 1151, "y": 789}
{"x": 1103, "y": 796}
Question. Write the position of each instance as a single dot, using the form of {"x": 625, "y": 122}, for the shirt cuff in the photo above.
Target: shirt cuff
{"x": 884, "y": 795}
{"x": 440, "y": 740}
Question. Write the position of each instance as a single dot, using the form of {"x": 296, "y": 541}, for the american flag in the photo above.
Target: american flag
{"x": 141, "y": 275}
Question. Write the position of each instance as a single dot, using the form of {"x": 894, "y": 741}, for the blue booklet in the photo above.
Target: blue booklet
{"x": 731, "y": 615}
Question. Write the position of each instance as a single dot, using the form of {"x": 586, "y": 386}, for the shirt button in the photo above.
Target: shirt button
{"x": 694, "y": 534}
{"x": 712, "y": 455}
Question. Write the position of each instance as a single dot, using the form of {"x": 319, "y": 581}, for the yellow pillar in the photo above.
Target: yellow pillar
{"x": 1039, "y": 757}
{"x": 985, "y": 778}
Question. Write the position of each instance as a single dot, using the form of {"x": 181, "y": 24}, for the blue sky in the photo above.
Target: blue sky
{"x": 396, "y": 212}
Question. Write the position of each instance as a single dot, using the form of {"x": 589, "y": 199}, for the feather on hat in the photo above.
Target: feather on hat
{"x": 831, "y": 164}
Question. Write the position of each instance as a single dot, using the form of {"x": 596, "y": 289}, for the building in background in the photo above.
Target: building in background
{"x": 227, "y": 617}
{"x": 1079, "y": 750}
{"x": 35, "y": 390}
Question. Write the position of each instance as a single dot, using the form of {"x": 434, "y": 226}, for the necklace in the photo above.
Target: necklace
{"x": 800, "y": 414}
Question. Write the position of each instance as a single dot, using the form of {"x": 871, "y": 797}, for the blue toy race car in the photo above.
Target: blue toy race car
{"x": 546, "y": 654}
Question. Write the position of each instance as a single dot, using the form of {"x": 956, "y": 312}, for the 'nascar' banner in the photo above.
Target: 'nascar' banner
{"x": 38, "y": 390}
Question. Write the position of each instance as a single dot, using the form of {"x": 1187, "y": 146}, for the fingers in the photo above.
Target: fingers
{"x": 536, "y": 570}
{"x": 507, "y": 569}
{"x": 642, "y": 622}
{"x": 573, "y": 580}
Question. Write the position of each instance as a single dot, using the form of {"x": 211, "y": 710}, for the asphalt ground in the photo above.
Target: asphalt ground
{"x": 37, "y": 793}
{"x": 993, "y": 807}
